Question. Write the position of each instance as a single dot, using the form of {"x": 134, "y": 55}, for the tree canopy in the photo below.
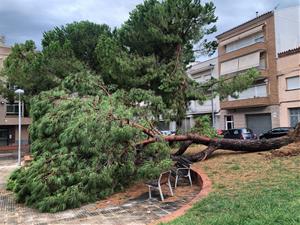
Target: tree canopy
{"x": 82, "y": 151}
{"x": 94, "y": 93}
{"x": 149, "y": 53}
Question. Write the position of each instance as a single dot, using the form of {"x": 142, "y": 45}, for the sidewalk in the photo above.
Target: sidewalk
{"x": 134, "y": 212}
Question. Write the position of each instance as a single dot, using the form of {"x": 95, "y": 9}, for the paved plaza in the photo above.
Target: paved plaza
{"x": 135, "y": 211}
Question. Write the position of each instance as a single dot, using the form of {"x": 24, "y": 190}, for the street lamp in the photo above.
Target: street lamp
{"x": 19, "y": 92}
{"x": 212, "y": 97}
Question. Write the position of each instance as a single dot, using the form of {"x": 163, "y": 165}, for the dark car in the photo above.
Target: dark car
{"x": 239, "y": 133}
{"x": 275, "y": 132}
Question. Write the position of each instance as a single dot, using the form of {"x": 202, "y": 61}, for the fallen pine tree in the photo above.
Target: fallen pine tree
{"x": 214, "y": 144}
{"x": 87, "y": 144}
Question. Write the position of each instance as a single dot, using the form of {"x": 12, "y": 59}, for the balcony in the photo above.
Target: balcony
{"x": 10, "y": 113}
{"x": 256, "y": 91}
{"x": 196, "y": 108}
{"x": 252, "y": 97}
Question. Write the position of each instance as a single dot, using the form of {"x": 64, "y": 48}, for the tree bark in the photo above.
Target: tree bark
{"x": 184, "y": 146}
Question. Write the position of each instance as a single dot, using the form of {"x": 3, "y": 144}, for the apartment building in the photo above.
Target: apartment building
{"x": 256, "y": 44}
{"x": 9, "y": 113}
{"x": 288, "y": 64}
{"x": 202, "y": 72}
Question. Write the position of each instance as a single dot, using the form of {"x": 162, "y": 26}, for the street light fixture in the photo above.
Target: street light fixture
{"x": 19, "y": 92}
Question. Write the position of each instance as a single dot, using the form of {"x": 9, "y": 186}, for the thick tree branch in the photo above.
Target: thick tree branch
{"x": 184, "y": 146}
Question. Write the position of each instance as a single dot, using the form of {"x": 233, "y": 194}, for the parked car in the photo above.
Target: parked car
{"x": 276, "y": 132}
{"x": 239, "y": 133}
{"x": 168, "y": 132}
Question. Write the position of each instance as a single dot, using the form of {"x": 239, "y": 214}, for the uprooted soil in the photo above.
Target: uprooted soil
{"x": 286, "y": 151}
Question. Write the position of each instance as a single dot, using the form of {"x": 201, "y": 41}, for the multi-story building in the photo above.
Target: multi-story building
{"x": 9, "y": 113}
{"x": 255, "y": 44}
{"x": 202, "y": 72}
{"x": 288, "y": 65}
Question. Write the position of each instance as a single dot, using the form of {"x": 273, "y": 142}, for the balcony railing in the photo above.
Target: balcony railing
{"x": 253, "y": 92}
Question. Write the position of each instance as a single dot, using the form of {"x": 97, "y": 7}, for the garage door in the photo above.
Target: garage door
{"x": 259, "y": 123}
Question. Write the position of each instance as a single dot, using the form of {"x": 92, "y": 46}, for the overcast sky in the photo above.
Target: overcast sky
{"x": 21, "y": 20}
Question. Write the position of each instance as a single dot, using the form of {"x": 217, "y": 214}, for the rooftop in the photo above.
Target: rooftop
{"x": 289, "y": 52}
{"x": 262, "y": 16}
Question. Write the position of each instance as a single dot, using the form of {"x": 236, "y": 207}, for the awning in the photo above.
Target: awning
{"x": 243, "y": 35}
{"x": 241, "y": 63}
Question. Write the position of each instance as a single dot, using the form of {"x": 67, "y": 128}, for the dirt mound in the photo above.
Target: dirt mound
{"x": 286, "y": 151}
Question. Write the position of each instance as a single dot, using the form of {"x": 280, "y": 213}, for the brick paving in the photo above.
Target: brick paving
{"x": 134, "y": 212}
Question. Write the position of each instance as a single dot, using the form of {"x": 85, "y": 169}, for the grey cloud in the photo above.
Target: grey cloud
{"x": 28, "y": 19}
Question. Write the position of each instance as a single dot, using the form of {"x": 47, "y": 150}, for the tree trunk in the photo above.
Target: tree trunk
{"x": 184, "y": 146}
{"x": 225, "y": 144}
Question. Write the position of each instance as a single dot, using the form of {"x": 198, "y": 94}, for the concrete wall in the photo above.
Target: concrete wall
{"x": 287, "y": 28}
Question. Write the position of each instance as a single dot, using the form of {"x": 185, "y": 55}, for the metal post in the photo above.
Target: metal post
{"x": 212, "y": 98}
{"x": 19, "y": 92}
{"x": 19, "y": 147}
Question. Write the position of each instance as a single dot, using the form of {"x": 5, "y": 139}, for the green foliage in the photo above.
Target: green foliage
{"x": 36, "y": 71}
{"x": 80, "y": 152}
{"x": 157, "y": 160}
{"x": 203, "y": 127}
{"x": 82, "y": 37}
{"x": 147, "y": 55}
{"x": 151, "y": 50}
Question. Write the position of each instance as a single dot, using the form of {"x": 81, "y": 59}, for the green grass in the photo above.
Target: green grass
{"x": 273, "y": 197}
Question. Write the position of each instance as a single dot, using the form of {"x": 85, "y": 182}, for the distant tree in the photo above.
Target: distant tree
{"x": 82, "y": 37}
{"x": 36, "y": 71}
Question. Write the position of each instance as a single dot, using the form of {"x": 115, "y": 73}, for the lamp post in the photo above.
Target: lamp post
{"x": 19, "y": 92}
{"x": 212, "y": 97}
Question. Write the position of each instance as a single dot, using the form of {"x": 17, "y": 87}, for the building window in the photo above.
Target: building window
{"x": 293, "y": 83}
{"x": 229, "y": 123}
{"x": 294, "y": 116}
{"x": 262, "y": 61}
{"x": 13, "y": 109}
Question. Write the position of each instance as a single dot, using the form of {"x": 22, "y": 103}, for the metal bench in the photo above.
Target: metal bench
{"x": 183, "y": 169}
{"x": 164, "y": 178}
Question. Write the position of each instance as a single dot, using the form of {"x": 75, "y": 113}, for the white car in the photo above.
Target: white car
{"x": 167, "y": 132}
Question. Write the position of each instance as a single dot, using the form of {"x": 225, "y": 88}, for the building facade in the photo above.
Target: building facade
{"x": 202, "y": 72}
{"x": 9, "y": 113}
{"x": 256, "y": 44}
{"x": 288, "y": 65}
{"x": 251, "y": 45}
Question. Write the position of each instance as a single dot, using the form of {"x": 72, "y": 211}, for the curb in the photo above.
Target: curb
{"x": 206, "y": 187}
